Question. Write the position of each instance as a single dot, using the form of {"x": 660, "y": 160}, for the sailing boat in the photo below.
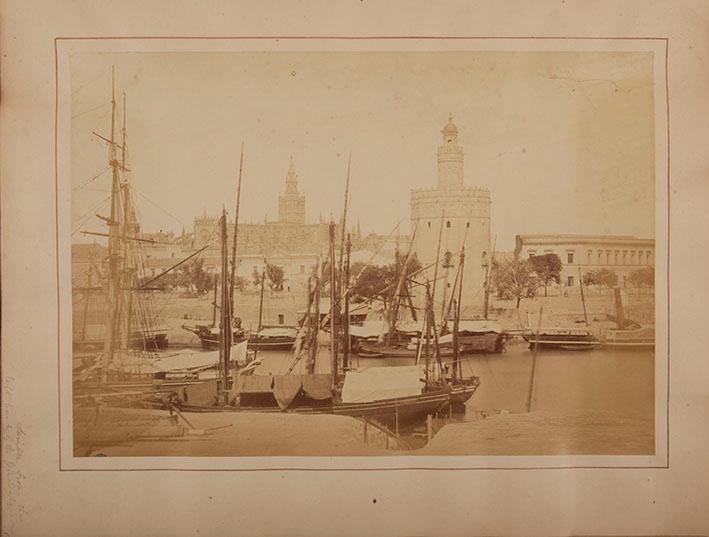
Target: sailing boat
{"x": 130, "y": 318}
{"x": 120, "y": 274}
{"x": 120, "y": 370}
{"x": 564, "y": 338}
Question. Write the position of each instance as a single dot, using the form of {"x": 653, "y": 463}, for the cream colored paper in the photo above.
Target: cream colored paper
{"x": 48, "y": 491}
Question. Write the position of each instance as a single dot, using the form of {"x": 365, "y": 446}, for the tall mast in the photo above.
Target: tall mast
{"x": 346, "y": 326}
{"x": 337, "y": 285}
{"x": 431, "y": 327}
{"x": 315, "y": 320}
{"x": 114, "y": 288}
{"x": 333, "y": 306}
{"x": 394, "y": 308}
{"x": 225, "y": 330}
{"x": 456, "y": 319}
{"x": 236, "y": 230}
{"x": 488, "y": 274}
{"x": 128, "y": 283}
{"x": 214, "y": 302}
{"x": 260, "y": 307}
{"x": 438, "y": 255}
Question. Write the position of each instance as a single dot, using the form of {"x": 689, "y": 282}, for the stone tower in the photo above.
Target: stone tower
{"x": 291, "y": 205}
{"x": 464, "y": 214}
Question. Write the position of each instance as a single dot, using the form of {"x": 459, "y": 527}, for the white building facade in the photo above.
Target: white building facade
{"x": 619, "y": 253}
{"x": 460, "y": 215}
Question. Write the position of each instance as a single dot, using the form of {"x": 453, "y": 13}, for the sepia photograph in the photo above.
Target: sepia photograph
{"x": 362, "y": 253}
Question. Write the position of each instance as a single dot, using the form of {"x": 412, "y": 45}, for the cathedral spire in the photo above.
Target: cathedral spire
{"x": 291, "y": 179}
{"x": 291, "y": 205}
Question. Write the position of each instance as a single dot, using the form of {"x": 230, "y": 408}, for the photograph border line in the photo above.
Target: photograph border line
{"x": 58, "y": 39}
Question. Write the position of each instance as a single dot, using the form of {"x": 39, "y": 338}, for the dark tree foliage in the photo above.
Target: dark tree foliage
{"x": 193, "y": 275}
{"x": 547, "y": 267}
{"x": 603, "y": 277}
{"x": 514, "y": 280}
{"x": 644, "y": 277}
{"x": 275, "y": 276}
{"x": 371, "y": 281}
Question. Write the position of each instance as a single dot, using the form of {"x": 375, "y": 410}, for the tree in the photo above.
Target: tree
{"x": 378, "y": 281}
{"x": 240, "y": 283}
{"x": 644, "y": 277}
{"x": 603, "y": 277}
{"x": 256, "y": 277}
{"x": 514, "y": 279}
{"x": 547, "y": 267}
{"x": 193, "y": 275}
{"x": 276, "y": 277}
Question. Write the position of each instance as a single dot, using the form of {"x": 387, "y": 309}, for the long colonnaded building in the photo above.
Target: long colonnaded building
{"x": 622, "y": 254}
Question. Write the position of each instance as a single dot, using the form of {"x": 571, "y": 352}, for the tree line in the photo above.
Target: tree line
{"x": 522, "y": 278}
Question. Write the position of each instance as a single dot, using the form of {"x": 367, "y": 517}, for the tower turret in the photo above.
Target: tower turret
{"x": 450, "y": 159}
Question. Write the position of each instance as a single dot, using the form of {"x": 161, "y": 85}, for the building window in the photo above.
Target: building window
{"x": 632, "y": 257}
{"x": 590, "y": 252}
{"x": 484, "y": 259}
{"x": 640, "y": 258}
{"x": 608, "y": 257}
{"x": 616, "y": 257}
{"x": 302, "y": 269}
{"x": 649, "y": 258}
{"x": 569, "y": 257}
{"x": 625, "y": 257}
{"x": 531, "y": 253}
{"x": 429, "y": 225}
{"x": 448, "y": 224}
{"x": 570, "y": 281}
{"x": 467, "y": 224}
{"x": 281, "y": 318}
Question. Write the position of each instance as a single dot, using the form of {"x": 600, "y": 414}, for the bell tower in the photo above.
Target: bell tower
{"x": 450, "y": 159}
{"x": 291, "y": 205}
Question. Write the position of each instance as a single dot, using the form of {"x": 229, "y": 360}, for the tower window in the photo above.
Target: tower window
{"x": 467, "y": 224}
{"x": 448, "y": 224}
{"x": 429, "y": 225}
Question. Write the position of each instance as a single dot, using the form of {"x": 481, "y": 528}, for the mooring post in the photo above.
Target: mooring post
{"x": 429, "y": 427}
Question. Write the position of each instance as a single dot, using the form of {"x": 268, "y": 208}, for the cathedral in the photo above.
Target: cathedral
{"x": 290, "y": 234}
{"x": 460, "y": 215}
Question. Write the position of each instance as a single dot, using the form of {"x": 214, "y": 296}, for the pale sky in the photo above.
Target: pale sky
{"x": 563, "y": 140}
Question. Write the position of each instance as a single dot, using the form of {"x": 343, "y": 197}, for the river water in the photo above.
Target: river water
{"x": 595, "y": 381}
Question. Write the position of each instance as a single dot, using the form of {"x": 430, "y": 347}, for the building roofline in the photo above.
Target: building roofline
{"x": 530, "y": 240}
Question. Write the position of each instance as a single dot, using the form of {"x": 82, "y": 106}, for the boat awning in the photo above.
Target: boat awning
{"x": 286, "y": 387}
{"x": 378, "y": 383}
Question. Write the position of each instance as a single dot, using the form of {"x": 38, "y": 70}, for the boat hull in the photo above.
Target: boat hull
{"x": 400, "y": 410}
{"x": 560, "y": 340}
